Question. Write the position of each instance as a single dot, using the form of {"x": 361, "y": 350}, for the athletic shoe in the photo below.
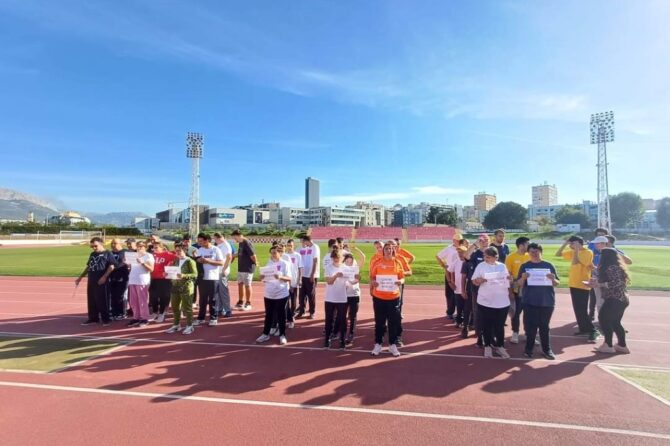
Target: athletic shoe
{"x": 593, "y": 336}
{"x": 537, "y": 341}
{"x": 274, "y": 332}
{"x": 197, "y": 322}
{"x": 291, "y": 325}
{"x": 262, "y": 338}
{"x": 549, "y": 355}
{"x": 488, "y": 352}
{"x": 621, "y": 349}
{"x": 143, "y": 323}
{"x": 188, "y": 330}
{"x": 343, "y": 345}
{"x": 326, "y": 344}
{"x": 464, "y": 333}
{"x": 213, "y": 323}
{"x": 228, "y": 314}
{"x": 604, "y": 348}
{"x": 450, "y": 317}
{"x": 581, "y": 333}
{"x": 153, "y": 316}
{"x": 160, "y": 318}
{"x": 247, "y": 306}
{"x": 393, "y": 349}
{"x": 376, "y": 350}
{"x": 399, "y": 342}
{"x": 311, "y": 316}
{"x": 239, "y": 305}
{"x": 298, "y": 315}
{"x": 515, "y": 337}
{"x": 502, "y": 352}
{"x": 173, "y": 329}
{"x": 89, "y": 322}
{"x": 119, "y": 318}
{"x": 282, "y": 340}
{"x": 133, "y": 323}
{"x": 528, "y": 354}
{"x": 350, "y": 339}
{"x": 106, "y": 324}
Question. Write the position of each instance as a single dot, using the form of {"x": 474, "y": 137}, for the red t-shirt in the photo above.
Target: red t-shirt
{"x": 162, "y": 260}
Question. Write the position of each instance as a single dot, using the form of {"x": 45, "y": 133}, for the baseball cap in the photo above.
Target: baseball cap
{"x": 457, "y": 236}
{"x": 131, "y": 240}
{"x": 462, "y": 249}
{"x": 600, "y": 239}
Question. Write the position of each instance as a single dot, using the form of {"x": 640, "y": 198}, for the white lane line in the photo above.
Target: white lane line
{"x": 431, "y": 352}
{"x": 385, "y": 412}
{"x": 610, "y": 370}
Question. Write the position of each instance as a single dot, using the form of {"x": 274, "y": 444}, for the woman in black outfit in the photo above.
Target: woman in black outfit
{"x": 613, "y": 281}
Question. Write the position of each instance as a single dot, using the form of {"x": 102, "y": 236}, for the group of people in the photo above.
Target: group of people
{"x": 485, "y": 284}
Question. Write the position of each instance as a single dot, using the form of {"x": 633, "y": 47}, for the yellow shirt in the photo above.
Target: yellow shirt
{"x": 580, "y": 271}
{"x": 514, "y": 261}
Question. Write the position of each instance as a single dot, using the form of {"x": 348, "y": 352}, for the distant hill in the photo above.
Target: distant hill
{"x": 114, "y": 218}
{"x": 15, "y": 205}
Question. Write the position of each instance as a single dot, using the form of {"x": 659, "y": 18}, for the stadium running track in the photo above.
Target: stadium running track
{"x": 218, "y": 386}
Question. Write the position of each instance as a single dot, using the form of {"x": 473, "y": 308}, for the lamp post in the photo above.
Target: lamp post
{"x": 602, "y": 132}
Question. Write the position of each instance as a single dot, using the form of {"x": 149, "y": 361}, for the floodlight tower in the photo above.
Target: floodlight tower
{"x": 602, "y": 132}
{"x": 194, "y": 144}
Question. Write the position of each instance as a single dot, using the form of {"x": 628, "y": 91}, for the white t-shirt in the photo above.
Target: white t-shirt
{"x": 327, "y": 261}
{"x": 139, "y": 275}
{"x": 296, "y": 263}
{"x": 449, "y": 254}
{"x": 211, "y": 272}
{"x": 308, "y": 255}
{"x": 278, "y": 289}
{"x": 337, "y": 292}
{"x": 455, "y": 268}
{"x": 225, "y": 250}
{"x": 490, "y": 295}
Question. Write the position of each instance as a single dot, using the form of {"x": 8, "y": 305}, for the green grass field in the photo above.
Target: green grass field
{"x": 47, "y": 354}
{"x": 657, "y": 382}
{"x": 650, "y": 269}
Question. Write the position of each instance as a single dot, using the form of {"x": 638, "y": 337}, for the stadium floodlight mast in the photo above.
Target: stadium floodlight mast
{"x": 602, "y": 132}
{"x": 194, "y": 146}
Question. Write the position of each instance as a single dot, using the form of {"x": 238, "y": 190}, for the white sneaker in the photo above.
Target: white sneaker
{"x": 621, "y": 349}
{"x": 274, "y": 332}
{"x": 188, "y": 330}
{"x": 515, "y": 337}
{"x": 393, "y": 349}
{"x": 160, "y": 318}
{"x": 153, "y": 316}
{"x": 282, "y": 340}
{"x": 604, "y": 348}
{"x": 488, "y": 352}
{"x": 247, "y": 307}
{"x": 197, "y": 322}
{"x": 376, "y": 350}
{"x": 173, "y": 329}
{"x": 291, "y": 324}
{"x": 537, "y": 341}
{"x": 502, "y": 352}
{"x": 262, "y": 338}
{"x": 213, "y": 322}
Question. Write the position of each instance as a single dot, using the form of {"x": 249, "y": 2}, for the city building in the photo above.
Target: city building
{"x": 536, "y": 212}
{"x": 591, "y": 210}
{"x": 375, "y": 214}
{"x": 217, "y": 217}
{"x": 470, "y": 214}
{"x": 311, "y": 193}
{"x": 389, "y": 217}
{"x": 484, "y": 201}
{"x": 69, "y": 218}
{"x": 545, "y": 195}
{"x": 649, "y": 204}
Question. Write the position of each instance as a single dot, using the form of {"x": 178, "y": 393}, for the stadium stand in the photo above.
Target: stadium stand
{"x": 417, "y": 233}
{"x": 370, "y": 234}
{"x": 328, "y": 232}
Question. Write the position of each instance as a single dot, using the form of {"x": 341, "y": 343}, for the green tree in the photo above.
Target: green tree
{"x": 506, "y": 214}
{"x": 663, "y": 213}
{"x": 441, "y": 217}
{"x": 626, "y": 208}
{"x": 572, "y": 215}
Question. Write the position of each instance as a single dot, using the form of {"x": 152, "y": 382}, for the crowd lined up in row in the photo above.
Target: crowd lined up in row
{"x": 484, "y": 285}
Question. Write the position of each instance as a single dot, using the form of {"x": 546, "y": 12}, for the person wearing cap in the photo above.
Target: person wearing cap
{"x": 593, "y": 294}
{"x": 445, "y": 258}
{"x": 457, "y": 284}
{"x": 513, "y": 263}
{"x": 581, "y": 265}
{"x": 475, "y": 256}
{"x": 499, "y": 244}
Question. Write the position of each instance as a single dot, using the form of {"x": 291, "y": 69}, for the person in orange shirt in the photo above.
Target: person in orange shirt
{"x": 404, "y": 258}
{"x": 386, "y": 278}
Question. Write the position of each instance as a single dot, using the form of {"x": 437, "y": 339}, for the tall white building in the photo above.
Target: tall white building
{"x": 545, "y": 195}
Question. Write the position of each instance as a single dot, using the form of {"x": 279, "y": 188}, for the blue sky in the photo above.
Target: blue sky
{"x": 391, "y": 101}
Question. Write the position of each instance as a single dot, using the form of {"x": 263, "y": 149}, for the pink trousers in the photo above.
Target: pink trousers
{"x": 138, "y": 298}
